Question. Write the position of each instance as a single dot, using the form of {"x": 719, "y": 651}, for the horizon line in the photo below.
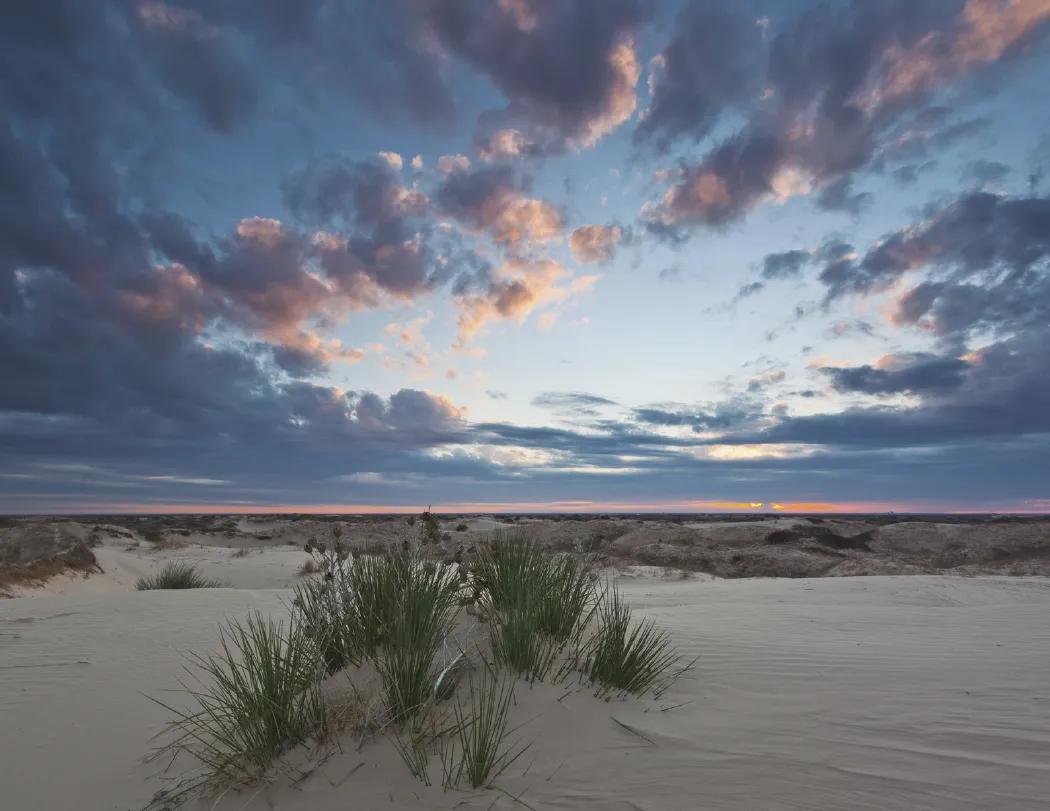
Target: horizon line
{"x": 578, "y": 507}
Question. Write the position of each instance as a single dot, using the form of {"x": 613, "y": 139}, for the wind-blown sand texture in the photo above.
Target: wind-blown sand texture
{"x": 833, "y": 693}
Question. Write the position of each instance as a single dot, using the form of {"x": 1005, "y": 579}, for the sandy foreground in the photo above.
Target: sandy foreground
{"x": 919, "y": 692}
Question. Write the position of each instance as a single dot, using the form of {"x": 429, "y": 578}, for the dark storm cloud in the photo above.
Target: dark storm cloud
{"x": 337, "y": 190}
{"x": 979, "y": 233}
{"x": 1002, "y": 391}
{"x": 567, "y": 69}
{"x": 912, "y": 372}
{"x": 981, "y": 262}
{"x": 712, "y": 62}
{"x": 199, "y": 63}
{"x": 122, "y": 323}
{"x": 844, "y": 80}
{"x": 785, "y": 265}
{"x": 735, "y": 413}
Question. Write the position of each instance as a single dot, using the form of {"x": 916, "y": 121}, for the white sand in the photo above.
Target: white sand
{"x": 865, "y": 693}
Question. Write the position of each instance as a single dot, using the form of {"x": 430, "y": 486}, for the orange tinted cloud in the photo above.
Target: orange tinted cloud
{"x": 986, "y": 31}
{"x": 518, "y": 288}
{"x": 595, "y": 243}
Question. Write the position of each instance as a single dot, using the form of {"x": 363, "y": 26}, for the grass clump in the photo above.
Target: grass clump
{"x": 478, "y": 751}
{"x": 176, "y": 575}
{"x": 255, "y": 699}
{"x": 538, "y": 603}
{"x": 419, "y": 620}
{"x": 627, "y": 657}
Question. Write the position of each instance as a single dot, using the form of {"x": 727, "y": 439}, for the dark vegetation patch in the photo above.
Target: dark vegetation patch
{"x": 820, "y": 535}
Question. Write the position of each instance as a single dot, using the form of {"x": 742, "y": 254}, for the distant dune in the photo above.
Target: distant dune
{"x": 127, "y": 547}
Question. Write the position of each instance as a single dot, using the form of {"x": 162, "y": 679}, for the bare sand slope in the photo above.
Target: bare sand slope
{"x": 874, "y": 693}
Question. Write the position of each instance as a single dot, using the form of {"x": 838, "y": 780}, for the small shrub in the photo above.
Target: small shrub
{"x": 309, "y": 567}
{"x": 323, "y": 608}
{"x": 627, "y": 657}
{"x": 175, "y": 575}
{"x": 429, "y": 529}
{"x": 255, "y": 699}
{"x": 461, "y": 527}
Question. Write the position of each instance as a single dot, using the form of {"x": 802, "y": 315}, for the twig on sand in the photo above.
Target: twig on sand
{"x": 349, "y": 774}
{"x": 633, "y": 730}
{"x": 513, "y": 798}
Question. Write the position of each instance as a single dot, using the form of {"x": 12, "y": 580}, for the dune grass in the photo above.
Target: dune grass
{"x": 418, "y": 622}
{"x": 253, "y": 700}
{"x": 396, "y": 612}
{"x": 538, "y": 603}
{"x": 623, "y": 656}
{"x": 176, "y": 575}
{"x": 479, "y": 751}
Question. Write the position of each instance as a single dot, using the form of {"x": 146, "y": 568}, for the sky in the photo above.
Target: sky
{"x": 545, "y": 255}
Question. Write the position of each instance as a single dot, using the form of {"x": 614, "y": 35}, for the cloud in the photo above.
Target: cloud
{"x": 336, "y": 190}
{"x": 785, "y": 264}
{"x": 734, "y": 413}
{"x": 999, "y": 391}
{"x": 572, "y": 402}
{"x": 711, "y": 63}
{"x": 982, "y": 172}
{"x": 568, "y": 71}
{"x": 504, "y": 143}
{"x": 199, "y": 63}
{"x": 392, "y": 159}
{"x": 896, "y": 374}
{"x": 840, "y": 82}
{"x": 490, "y": 199}
{"x": 514, "y": 291}
{"x": 447, "y": 164}
{"x": 977, "y": 233}
{"x": 595, "y": 243}
{"x": 765, "y": 380}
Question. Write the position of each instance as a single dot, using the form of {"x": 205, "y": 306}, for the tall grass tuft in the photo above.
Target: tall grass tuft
{"x": 627, "y": 657}
{"x": 417, "y": 621}
{"x": 479, "y": 752}
{"x": 176, "y": 575}
{"x": 255, "y": 699}
{"x": 378, "y": 584}
{"x": 538, "y": 603}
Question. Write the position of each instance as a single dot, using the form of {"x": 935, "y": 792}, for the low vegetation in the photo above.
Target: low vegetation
{"x": 176, "y": 575}
{"x": 255, "y": 699}
{"x": 478, "y": 751}
{"x": 624, "y": 656}
{"x": 447, "y": 637}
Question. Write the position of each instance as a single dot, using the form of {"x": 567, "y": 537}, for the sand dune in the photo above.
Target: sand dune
{"x": 859, "y": 693}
